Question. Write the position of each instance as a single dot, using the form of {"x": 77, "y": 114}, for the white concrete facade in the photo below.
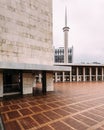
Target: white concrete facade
{"x": 26, "y": 39}
{"x": 26, "y": 31}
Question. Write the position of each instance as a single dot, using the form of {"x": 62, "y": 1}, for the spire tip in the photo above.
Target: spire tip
{"x": 65, "y": 16}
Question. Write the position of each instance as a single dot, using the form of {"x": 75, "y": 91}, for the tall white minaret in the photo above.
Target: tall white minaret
{"x": 66, "y": 30}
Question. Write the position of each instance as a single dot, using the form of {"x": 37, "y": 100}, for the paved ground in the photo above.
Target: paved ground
{"x": 73, "y": 106}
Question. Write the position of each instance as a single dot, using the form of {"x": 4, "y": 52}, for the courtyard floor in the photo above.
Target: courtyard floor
{"x": 73, "y": 106}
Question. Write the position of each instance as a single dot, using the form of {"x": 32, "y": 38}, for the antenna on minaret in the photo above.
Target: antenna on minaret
{"x": 65, "y": 16}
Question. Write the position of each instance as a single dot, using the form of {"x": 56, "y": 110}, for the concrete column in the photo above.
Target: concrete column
{"x": 70, "y": 76}
{"x": 28, "y": 83}
{"x": 1, "y": 84}
{"x": 63, "y": 76}
{"x": 66, "y": 30}
{"x": 34, "y": 81}
{"x": 96, "y": 73}
{"x": 65, "y": 45}
{"x": 40, "y": 78}
{"x": 44, "y": 84}
{"x": 77, "y": 73}
{"x": 56, "y": 77}
{"x": 90, "y": 71}
{"x": 49, "y": 81}
{"x": 102, "y": 73}
{"x": 84, "y": 74}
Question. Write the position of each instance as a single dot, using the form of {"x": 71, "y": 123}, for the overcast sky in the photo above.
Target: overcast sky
{"x": 86, "y": 22}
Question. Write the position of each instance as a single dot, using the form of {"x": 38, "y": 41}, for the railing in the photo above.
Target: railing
{"x": 12, "y": 87}
{"x": 15, "y": 84}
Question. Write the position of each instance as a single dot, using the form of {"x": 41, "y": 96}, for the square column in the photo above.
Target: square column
{"x": 63, "y": 76}
{"x": 1, "y": 84}
{"x": 28, "y": 83}
{"x": 44, "y": 85}
{"x": 90, "y": 69}
{"x": 33, "y": 81}
{"x": 102, "y": 74}
{"x": 70, "y": 76}
{"x": 96, "y": 73}
{"x": 40, "y": 78}
{"x": 56, "y": 77}
{"x": 84, "y": 74}
{"x": 77, "y": 71}
{"x": 47, "y": 82}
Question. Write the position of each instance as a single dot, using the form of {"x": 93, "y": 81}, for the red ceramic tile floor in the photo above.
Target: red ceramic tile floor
{"x": 72, "y": 106}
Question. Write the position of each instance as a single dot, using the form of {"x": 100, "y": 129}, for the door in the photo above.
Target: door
{"x": 12, "y": 82}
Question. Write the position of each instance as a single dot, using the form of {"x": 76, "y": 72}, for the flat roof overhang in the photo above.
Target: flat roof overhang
{"x": 32, "y": 67}
{"x": 79, "y": 65}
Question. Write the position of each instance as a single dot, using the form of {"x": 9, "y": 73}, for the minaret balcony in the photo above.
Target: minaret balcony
{"x": 66, "y": 29}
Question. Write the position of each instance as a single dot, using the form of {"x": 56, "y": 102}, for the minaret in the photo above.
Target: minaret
{"x": 66, "y": 30}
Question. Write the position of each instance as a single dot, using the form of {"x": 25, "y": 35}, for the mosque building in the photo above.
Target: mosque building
{"x": 26, "y": 50}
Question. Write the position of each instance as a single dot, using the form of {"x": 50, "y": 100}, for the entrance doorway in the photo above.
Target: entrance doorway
{"x": 12, "y": 82}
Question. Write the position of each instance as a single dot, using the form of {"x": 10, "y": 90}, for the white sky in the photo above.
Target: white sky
{"x": 86, "y": 22}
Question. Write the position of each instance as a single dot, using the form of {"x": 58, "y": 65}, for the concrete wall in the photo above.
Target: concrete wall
{"x": 1, "y": 84}
{"x": 28, "y": 82}
{"x": 49, "y": 81}
{"x": 26, "y": 31}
